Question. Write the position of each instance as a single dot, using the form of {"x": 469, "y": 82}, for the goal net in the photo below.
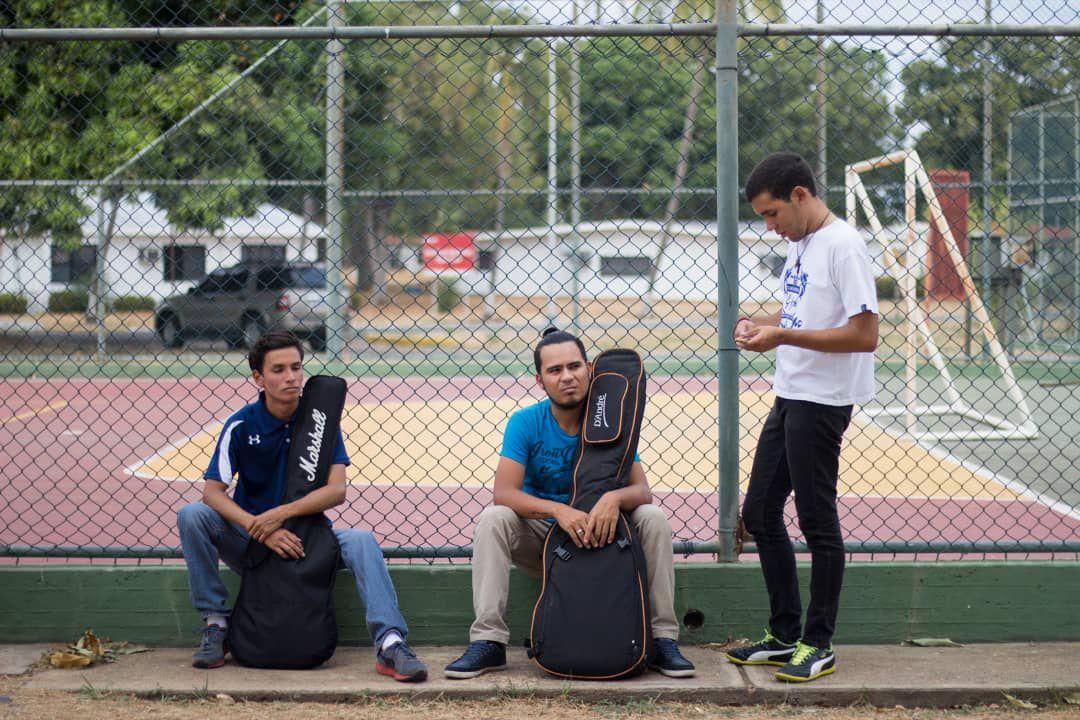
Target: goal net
{"x": 900, "y": 263}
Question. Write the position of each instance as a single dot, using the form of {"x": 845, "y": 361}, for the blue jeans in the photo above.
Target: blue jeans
{"x": 206, "y": 537}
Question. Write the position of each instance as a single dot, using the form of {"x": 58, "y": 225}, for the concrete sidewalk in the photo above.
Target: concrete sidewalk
{"x": 877, "y": 674}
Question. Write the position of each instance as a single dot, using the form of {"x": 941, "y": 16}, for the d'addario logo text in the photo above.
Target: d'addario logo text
{"x": 600, "y": 413}
{"x": 309, "y": 462}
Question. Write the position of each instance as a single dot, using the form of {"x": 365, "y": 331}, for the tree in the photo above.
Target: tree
{"x": 944, "y": 94}
{"x": 698, "y": 56}
{"x": 632, "y": 132}
{"x": 65, "y": 116}
{"x": 78, "y": 110}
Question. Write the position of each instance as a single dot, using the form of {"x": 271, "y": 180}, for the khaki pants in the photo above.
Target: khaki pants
{"x": 502, "y": 538}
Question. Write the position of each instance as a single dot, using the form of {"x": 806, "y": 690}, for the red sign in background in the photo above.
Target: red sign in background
{"x": 453, "y": 251}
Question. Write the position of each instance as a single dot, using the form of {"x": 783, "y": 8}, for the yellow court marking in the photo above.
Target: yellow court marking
{"x": 32, "y": 413}
{"x": 452, "y": 444}
{"x": 679, "y": 449}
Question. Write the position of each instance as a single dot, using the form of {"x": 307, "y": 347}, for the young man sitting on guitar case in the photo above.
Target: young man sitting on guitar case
{"x": 254, "y": 446}
{"x": 532, "y": 489}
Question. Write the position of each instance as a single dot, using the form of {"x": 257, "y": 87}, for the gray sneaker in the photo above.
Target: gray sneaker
{"x": 400, "y": 662}
{"x": 212, "y": 648}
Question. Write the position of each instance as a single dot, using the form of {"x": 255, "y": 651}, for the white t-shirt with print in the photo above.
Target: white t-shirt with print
{"x": 826, "y": 280}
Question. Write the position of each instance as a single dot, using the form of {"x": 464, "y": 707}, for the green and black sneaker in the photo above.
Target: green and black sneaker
{"x": 808, "y": 663}
{"x": 767, "y": 651}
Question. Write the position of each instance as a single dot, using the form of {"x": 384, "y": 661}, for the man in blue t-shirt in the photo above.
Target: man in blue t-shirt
{"x": 253, "y": 447}
{"x": 532, "y": 490}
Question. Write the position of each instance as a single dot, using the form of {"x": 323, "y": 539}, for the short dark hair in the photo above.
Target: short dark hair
{"x": 555, "y": 336}
{"x": 778, "y": 175}
{"x": 272, "y": 340}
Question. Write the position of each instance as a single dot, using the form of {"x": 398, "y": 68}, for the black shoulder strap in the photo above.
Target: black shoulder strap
{"x": 314, "y": 435}
{"x": 610, "y": 427}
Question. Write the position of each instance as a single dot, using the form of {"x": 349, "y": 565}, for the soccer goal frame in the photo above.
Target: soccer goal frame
{"x": 989, "y": 426}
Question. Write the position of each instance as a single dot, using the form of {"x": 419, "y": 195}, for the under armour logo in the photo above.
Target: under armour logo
{"x": 253, "y": 440}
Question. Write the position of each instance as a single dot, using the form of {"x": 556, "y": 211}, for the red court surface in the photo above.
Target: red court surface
{"x": 109, "y": 462}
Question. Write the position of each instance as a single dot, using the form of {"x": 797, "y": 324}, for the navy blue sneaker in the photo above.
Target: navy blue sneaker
{"x": 480, "y": 657}
{"x": 400, "y": 662}
{"x": 808, "y": 663}
{"x": 211, "y": 652}
{"x": 667, "y": 660}
{"x": 767, "y": 651}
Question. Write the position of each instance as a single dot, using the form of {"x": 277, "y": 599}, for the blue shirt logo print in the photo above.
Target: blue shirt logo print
{"x": 795, "y": 283}
{"x": 794, "y": 288}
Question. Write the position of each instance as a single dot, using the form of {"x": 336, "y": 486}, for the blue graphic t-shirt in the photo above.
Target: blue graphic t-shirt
{"x": 534, "y": 439}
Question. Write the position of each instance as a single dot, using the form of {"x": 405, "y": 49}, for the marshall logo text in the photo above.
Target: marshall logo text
{"x": 309, "y": 462}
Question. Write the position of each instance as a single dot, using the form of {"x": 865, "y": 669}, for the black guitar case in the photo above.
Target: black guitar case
{"x": 592, "y": 620}
{"x": 284, "y": 614}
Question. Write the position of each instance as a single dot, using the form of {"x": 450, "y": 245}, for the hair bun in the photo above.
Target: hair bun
{"x": 548, "y": 331}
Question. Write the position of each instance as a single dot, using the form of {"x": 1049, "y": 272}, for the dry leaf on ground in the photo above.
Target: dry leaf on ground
{"x": 88, "y": 649}
{"x": 66, "y": 660}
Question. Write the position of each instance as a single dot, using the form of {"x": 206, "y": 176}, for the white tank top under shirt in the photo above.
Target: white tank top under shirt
{"x": 826, "y": 280}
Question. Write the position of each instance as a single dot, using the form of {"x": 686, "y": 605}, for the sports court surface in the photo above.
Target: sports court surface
{"x": 108, "y": 462}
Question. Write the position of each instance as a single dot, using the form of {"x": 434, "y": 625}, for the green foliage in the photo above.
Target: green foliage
{"x": 133, "y": 303}
{"x": 59, "y": 121}
{"x": 776, "y": 103}
{"x": 447, "y": 296}
{"x": 68, "y": 301}
{"x": 12, "y": 304}
{"x": 462, "y": 114}
{"x": 944, "y": 93}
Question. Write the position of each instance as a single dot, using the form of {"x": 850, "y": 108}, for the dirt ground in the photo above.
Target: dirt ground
{"x": 18, "y": 703}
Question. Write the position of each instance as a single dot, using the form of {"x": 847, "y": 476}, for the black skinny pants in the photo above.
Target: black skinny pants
{"x": 799, "y": 449}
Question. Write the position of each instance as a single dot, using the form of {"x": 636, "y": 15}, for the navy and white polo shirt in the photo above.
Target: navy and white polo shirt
{"x": 254, "y": 445}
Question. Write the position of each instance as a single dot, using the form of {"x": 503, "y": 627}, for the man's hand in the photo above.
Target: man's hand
{"x": 574, "y": 522}
{"x": 285, "y": 544}
{"x": 760, "y": 338}
{"x": 264, "y": 525}
{"x": 743, "y": 326}
{"x": 603, "y": 520}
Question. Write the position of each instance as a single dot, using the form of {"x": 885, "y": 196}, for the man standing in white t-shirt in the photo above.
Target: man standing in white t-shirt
{"x": 824, "y": 335}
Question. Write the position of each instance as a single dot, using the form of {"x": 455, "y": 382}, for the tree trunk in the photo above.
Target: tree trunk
{"x": 681, "y": 169}
{"x": 379, "y": 213}
{"x": 503, "y": 170}
{"x": 102, "y": 256}
{"x": 364, "y": 214}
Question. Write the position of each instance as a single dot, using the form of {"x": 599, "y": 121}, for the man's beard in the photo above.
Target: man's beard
{"x": 567, "y": 406}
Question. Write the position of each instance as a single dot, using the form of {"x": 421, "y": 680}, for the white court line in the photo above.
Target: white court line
{"x": 1015, "y": 486}
{"x": 1010, "y": 484}
{"x": 171, "y": 447}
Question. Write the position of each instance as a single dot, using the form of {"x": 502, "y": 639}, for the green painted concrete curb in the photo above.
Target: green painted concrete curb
{"x": 882, "y": 602}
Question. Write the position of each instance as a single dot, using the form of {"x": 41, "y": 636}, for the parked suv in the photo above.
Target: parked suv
{"x": 238, "y": 303}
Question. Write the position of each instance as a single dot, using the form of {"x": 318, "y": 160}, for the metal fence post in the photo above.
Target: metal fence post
{"x": 335, "y": 181}
{"x": 552, "y": 210}
{"x": 99, "y": 308}
{"x": 727, "y": 301}
{"x": 575, "y": 179}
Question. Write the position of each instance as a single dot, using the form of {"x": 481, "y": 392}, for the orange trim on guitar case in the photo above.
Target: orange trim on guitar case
{"x": 644, "y": 627}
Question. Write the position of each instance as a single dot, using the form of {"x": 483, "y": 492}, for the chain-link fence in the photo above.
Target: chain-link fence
{"x": 420, "y": 202}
